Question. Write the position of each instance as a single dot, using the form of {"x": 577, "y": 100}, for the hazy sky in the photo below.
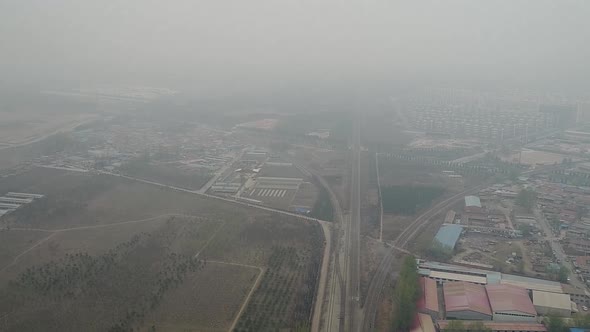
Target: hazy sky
{"x": 239, "y": 44}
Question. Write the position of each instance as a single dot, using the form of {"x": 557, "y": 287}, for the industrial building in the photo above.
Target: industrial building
{"x": 500, "y": 326}
{"x": 448, "y": 235}
{"x": 472, "y": 204}
{"x": 23, "y": 195}
{"x": 553, "y": 304}
{"x": 226, "y": 187}
{"x": 447, "y": 272}
{"x": 423, "y": 323}
{"x": 9, "y": 206}
{"x": 12, "y": 201}
{"x": 278, "y": 183}
{"x": 466, "y": 301}
{"x": 531, "y": 283}
{"x": 510, "y": 303}
{"x": 428, "y": 302}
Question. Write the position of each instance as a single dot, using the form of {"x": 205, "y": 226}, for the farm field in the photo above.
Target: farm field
{"x": 176, "y": 174}
{"x": 204, "y": 296}
{"x": 161, "y": 254}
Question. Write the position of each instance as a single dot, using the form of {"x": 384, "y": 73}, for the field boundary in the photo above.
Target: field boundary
{"x": 250, "y": 293}
{"x": 57, "y": 231}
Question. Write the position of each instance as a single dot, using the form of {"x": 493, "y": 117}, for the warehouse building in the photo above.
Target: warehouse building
{"x": 428, "y": 301}
{"x": 466, "y": 301}
{"x": 12, "y": 200}
{"x": 442, "y": 272}
{"x": 500, "y": 326}
{"x": 24, "y": 195}
{"x": 226, "y": 187}
{"x": 552, "y": 304}
{"x": 473, "y": 204}
{"x": 510, "y": 304}
{"x": 448, "y": 235}
{"x": 278, "y": 183}
{"x": 423, "y": 323}
{"x": 532, "y": 283}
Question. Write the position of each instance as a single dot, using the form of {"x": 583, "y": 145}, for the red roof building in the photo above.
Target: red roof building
{"x": 466, "y": 301}
{"x": 423, "y": 323}
{"x": 428, "y": 302}
{"x": 510, "y": 304}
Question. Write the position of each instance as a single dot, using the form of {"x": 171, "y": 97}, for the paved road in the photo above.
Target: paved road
{"x": 558, "y": 250}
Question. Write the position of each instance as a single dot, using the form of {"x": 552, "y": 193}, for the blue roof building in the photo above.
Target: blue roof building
{"x": 448, "y": 235}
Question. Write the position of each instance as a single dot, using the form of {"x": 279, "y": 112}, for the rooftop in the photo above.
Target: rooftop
{"x": 504, "y": 298}
{"x": 502, "y": 326}
{"x": 423, "y": 323}
{"x": 448, "y": 235}
{"x": 552, "y": 300}
{"x": 462, "y": 296}
{"x": 429, "y": 298}
{"x": 457, "y": 277}
{"x": 472, "y": 201}
{"x": 531, "y": 283}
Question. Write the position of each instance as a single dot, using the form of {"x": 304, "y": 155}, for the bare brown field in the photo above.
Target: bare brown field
{"x": 117, "y": 254}
{"x": 171, "y": 174}
{"x": 12, "y": 243}
{"x": 208, "y": 300}
{"x": 83, "y": 199}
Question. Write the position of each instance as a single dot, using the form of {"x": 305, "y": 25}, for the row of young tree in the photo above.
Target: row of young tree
{"x": 111, "y": 277}
{"x": 284, "y": 298}
{"x": 406, "y": 294}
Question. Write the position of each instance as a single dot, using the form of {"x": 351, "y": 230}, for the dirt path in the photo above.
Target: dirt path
{"x": 103, "y": 225}
{"x": 210, "y": 239}
{"x": 26, "y": 251}
{"x": 319, "y": 301}
{"x": 57, "y": 231}
{"x": 252, "y": 289}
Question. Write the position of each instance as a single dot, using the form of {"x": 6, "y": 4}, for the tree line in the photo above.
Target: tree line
{"x": 406, "y": 294}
